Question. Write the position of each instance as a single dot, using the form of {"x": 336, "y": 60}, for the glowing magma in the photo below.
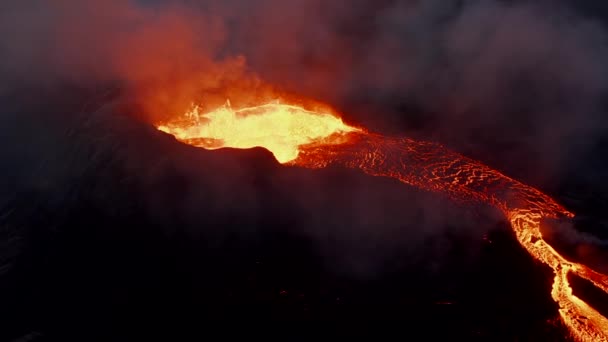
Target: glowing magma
{"x": 303, "y": 138}
{"x": 280, "y": 128}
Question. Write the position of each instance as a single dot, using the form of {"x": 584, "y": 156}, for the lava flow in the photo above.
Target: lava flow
{"x": 312, "y": 139}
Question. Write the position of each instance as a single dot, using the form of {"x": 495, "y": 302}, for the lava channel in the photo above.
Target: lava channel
{"x": 318, "y": 138}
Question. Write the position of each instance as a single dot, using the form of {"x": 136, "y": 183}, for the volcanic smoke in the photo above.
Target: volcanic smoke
{"x": 317, "y": 138}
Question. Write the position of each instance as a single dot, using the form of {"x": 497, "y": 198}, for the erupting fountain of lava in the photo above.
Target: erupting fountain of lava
{"x": 315, "y": 139}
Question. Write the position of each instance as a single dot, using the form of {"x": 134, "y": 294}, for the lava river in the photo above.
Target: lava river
{"x": 317, "y": 138}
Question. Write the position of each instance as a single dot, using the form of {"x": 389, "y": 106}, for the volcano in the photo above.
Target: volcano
{"x": 323, "y": 141}
{"x": 138, "y": 234}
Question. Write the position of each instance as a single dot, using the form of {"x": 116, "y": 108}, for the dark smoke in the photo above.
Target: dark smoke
{"x": 521, "y": 77}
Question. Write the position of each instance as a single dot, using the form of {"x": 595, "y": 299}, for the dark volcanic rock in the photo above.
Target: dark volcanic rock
{"x": 116, "y": 230}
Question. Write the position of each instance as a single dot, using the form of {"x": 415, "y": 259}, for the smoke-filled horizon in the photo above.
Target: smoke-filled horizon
{"x": 512, "y": 74}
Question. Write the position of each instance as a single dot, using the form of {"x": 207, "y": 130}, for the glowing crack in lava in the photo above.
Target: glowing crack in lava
{"x": 309, "y": 139}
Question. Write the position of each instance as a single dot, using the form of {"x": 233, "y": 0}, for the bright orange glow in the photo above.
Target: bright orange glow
{"x": 307, "y": 139}
{"x": 278, "y": 127}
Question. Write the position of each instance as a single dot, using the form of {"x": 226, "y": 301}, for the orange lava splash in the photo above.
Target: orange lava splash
{"x": 303, "y": 138}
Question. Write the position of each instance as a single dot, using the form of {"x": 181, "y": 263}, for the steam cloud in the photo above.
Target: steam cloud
{"x": 520, "y": 76}
{"x": 525, "y": 79}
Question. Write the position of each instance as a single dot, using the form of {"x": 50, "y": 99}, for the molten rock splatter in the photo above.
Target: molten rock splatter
{"x": 311, "y": 139}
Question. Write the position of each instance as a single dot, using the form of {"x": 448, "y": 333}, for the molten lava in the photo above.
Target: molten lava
{"x": 280, "y": 128}
{"x": 303, "y": 138}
